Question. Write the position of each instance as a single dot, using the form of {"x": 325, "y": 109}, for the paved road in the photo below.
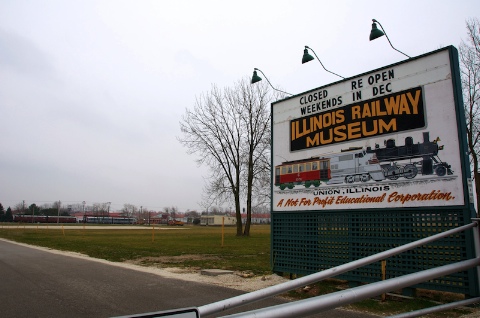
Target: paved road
{"x": 36, "y": 283}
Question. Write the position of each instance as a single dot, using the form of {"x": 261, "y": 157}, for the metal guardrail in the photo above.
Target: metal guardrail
{"x": 438, "y": 308}
{"x": 318, "y": 304}
{"x": 330, "y": 301}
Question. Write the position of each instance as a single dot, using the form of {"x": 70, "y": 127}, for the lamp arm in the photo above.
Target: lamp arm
{"x": 322, "y": 63}
{"x": 389, "y": 39}
{"x": 256, "y": 69}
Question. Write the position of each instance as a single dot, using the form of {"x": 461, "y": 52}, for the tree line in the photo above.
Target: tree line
{"x": 33, "y": 209}
{"x": 5, "y": 216}
{"x": 103, "y": 209}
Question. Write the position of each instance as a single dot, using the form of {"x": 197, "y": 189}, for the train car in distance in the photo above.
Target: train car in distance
{"x": 109, "y": 220}
{"x": 27, "y": 218}
{"x": 362, "y": 165}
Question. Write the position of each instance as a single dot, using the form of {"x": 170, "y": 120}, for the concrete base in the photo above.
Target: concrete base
{"x": 215, "y": 272}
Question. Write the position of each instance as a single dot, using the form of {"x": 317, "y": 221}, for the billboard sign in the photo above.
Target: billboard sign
{"x": 384, "y": 139}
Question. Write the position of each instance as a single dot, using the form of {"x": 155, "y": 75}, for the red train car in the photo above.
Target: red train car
{"x": 25, "y": 218}
{"x": 308, "y": 172}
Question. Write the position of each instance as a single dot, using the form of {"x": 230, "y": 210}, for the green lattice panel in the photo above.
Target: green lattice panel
{"x": 308, "y": 242}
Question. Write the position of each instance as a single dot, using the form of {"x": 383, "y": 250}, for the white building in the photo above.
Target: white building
{"x": 217, "y": 220}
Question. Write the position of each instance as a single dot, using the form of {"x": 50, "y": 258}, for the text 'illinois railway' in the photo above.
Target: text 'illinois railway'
{"x": 388, "y": 114}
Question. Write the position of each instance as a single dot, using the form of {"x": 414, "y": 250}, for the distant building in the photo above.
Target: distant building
{"x": 258, "y": 218}
{"x": 159, "y": 218}
{"x": 217, "y": 220}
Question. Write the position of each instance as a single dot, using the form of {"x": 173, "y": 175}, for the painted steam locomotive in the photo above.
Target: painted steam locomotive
{"x": 361, "y": 165}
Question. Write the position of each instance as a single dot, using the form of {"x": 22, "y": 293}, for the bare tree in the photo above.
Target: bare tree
{"x": 230, "y": 129}
{"x": 255, "y": 101}
{"x": 101, "y": 209}
{"x": 172, "y": 211}
{"x": 19, "y": 207}
{"x": 129, "y": 210}
{"x": 189, "y": 214}
{"x": 469, "y": 52}
{"x": 57, "y": 205}
{"x": 143, "y": 215}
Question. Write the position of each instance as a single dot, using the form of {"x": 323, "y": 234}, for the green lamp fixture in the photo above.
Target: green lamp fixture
{"x": 376, "y": 33}
{"x": 256, "y": 78}
{"x": 307, "y": 58}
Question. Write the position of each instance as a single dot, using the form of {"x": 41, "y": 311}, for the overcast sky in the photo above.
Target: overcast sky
{"x": 92, "y": 92}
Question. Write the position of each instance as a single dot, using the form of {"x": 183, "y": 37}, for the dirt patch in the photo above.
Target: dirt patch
{"x": 165, "y": 266}
{"x": 158, "y": 260}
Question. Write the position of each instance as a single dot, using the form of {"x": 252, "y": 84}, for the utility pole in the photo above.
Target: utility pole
{"x": 58, "y": 216}
{"x": 108, "y": 211}
{"x": 84, "y": 216}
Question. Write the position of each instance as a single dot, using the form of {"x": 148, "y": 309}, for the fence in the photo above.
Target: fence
{"x": 326, "y": 302}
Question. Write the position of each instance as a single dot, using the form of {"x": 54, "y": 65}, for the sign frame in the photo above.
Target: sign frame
{"x": 418, "y": 86}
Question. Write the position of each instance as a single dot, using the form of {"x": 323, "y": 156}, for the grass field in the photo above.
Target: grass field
{"x": 203, "y": 244}
{"x": 199, "y": 247}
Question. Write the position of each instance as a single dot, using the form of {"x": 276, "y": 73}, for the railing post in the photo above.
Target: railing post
{"x": 384, "y": 276}
{"x": 476, "y": 243}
